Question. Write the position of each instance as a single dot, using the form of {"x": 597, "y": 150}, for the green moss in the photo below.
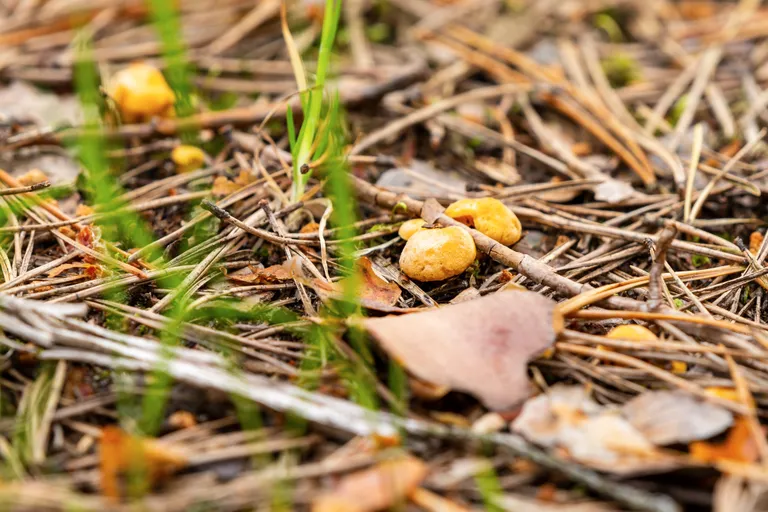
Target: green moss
{"x": 621, "y": 70}
{"x": 677, "y": 110}
{"x": 698, "y": 260}
{"x": 606, "y": 22}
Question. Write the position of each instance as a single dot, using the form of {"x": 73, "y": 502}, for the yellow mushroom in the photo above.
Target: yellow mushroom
{"x": 722, "y": 392}
{"x": 409, "y": 227}
{"x": 141, "y": 93}
{"x": 33, "y": 177}
{"x": 437, "y": 254}
{"x": 187, "y": 158}
{"x": 631, "y": 332}
{"x": 489, "y": 216}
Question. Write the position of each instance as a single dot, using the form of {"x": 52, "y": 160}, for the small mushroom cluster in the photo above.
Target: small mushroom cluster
{"x": 436, "y": 254}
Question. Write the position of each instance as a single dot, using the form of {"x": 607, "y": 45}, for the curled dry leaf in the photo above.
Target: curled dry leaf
{"x": 120, "y": 453}
{"x": 223, "y": 187}
{"x": 90, "y": 270}
{"x": 480, "y": 346}
{"x": 667, "y": 417}
{"x": 374, "y": 290}
{"x": 597, "y": 436}
{"x": 378, "y": 488}
{"x": 432, "y": 502}
{"x": 83, "y": 210}
{"x": 527, "y": 504}
{"x": 272, "y": 274}
{"x": 739, "y": 446}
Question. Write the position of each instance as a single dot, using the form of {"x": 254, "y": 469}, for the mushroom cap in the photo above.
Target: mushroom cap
{"x": 437, "y": 254}
{"x": 33, "y": 177}
{"x": 489, "y": 216}
{"x": 141, "y": 92}
{"x": 187, "y": 158}
{"x": 631, "y": 332}
{"x": 409, "y": 227}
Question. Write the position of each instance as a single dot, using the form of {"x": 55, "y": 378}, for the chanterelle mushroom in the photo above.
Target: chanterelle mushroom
{"x": 187, "y": 158}
{"x": 409, "y": 227}
{"x": 437, "y": 254}
{"x": 631, "y": 332}
{"x": 489, "y": 216}
{"x": 141, "y": 93}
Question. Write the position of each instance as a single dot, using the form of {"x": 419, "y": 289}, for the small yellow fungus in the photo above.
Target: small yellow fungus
{"x": 631, "y": 332}
{"x": 489, "y": 216}
{"x": 141, "y": 93}
{"x": 722, "y": 392}
{"x": 33, "y": 177}
{"x": 187, "y": 158}
{"x": 437, "y": 254}
{"x": 679, "y": 367}
{"x": 628, "y": 332}
{"x": 409, "y": 227}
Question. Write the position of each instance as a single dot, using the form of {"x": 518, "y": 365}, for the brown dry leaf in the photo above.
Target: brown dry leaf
{"x": 480, "y": 346}
{"x": 373, "y": 289}
{"x": 91, "y": 270}
{"x": 182, "y": 419}
{"x": 311, "y": 227}
{"x": 377, "y": 488}
{"x": 83, "y": 210}
{"x": 668, "y": 417}
{"x": 120, "y": 452}
{"x": 374, "y": 292}
{"x": 432, "y": 502}
{"x": 244, "y": 178}
{"x": 596, "y": 436}
{"x": 223, "y": 187}
{"x": 272, "y": 274}
{"x": 527, "y": 504}
{"x": 466, "y": 295}
{"x": 739, "y": 446}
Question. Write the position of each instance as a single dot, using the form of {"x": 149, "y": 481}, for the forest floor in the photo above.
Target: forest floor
{"x": 209, "y": 302}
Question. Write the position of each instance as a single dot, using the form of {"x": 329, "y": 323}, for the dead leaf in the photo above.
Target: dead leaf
{"x": 421, "y": 178}
{"x": 91, "y": 271}
{"x": 596, "y": 436}
{"x": 120, "y": 452}
{"x": 374, "y": 293}
{"x": 480, "y": 346}
{"x": 223, "y": 187}
{"x": 182, "y": 419}
{"x": 83, "y": 210}
{"x": 244, "y": 178}
{"x": 373, "y": 289}
{"x": 272, "y": 274}
{"x": 563, "y": 195}
{"x": 424, "y": 390}
{"x": 739, "y": 446}
{"x": 432, "y": 502}
{"x": 466, "y": 295}
{"x": 527, "y": 504}
{"x": 668, "y": 417}
{"x": 613, "y": 191}
{"x": 311, "y": 227}
{"x": 25, "y": 102}
{"x": 377, "y": 488}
